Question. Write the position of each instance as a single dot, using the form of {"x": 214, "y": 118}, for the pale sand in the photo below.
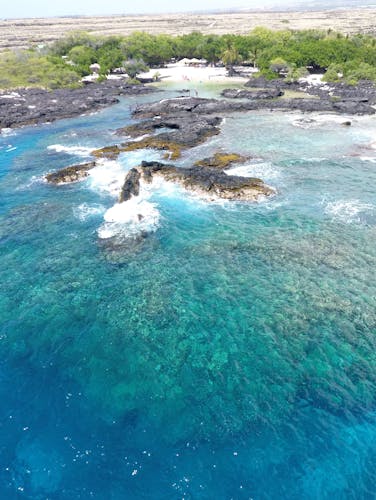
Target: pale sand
{"x": 181, "y": 73}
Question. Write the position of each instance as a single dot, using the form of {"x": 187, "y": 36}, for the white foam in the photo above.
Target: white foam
{"x": 130, "y": 219}
{"x": 314, "y": 159}
{"x": 347, "y": 211}
{"x": 35, "y": 179}
{"x": 264, "y": 170}
{"x": 107, "y": 177}
{"x": 372, "y": 159}
{"x": 6, "y": 131}
{"x": 318, "y": 120}
{"x": 304, "y": 123}
{"x": 72, "y": 150}
{"x": 141, "y": 137}
{"x": 86, "y": 210}
{"x": 196, "y": 199}
{"x": 135, "y": 216}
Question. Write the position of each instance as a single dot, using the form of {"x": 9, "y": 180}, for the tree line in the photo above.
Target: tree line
{"x": 288, "y": 53}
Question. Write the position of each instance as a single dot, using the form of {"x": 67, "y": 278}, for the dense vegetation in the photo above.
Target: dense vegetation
{"x": 29, "y": 68}
{"x": 275, "y": 53}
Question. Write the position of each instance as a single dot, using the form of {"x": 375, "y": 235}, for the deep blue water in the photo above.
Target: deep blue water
{"x": 231, "y": 353}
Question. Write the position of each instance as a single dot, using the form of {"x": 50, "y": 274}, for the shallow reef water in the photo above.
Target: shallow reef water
{"x": 226, "y": 351}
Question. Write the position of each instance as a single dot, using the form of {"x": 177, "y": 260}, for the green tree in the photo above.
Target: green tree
{"x": 30, "y": 69}
{"x": 82, "y": 57}
{"x": 134, "y": 67}
{"x": 230, "y": 57}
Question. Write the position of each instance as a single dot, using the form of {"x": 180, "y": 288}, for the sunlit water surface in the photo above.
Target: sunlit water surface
{"x": 219, "y": 350}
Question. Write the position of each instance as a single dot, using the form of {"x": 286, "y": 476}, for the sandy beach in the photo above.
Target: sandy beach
{"x": 180, "y": 72}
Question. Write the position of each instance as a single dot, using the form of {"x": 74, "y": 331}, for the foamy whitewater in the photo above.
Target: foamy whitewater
{"x": 264, "y": 170}
{"x": 107, "y": 177}
{"x": 130, "y": 218}
{"x": 73, "y": 150}
{"x": 86, "y": 210}
{"x": 348, "y": 211}
{"x": 175, "y": 347}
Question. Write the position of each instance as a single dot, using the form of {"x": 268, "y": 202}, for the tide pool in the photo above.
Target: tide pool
{"x": 226, "y": 350}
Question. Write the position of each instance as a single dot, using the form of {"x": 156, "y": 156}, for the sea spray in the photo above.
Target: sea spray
{"x": 264, "y": 170}
{"x": 348, "y": 211}
{"x": 107, "y": 177}
{"x": 83, "y": 151}
{"x": 129, "y": 219}
{"x": 85, "y": 210}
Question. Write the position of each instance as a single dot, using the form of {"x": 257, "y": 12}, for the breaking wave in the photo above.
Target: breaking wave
{"x": 71, "y": 150}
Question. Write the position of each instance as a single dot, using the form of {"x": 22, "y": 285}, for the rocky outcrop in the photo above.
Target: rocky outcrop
{"x": 185, "y": 130}
{"x": 221, "y": 160}
{"x": 179, "y": 106}
{"x": 30, "y": 106}
{"x": 183, "y": 127}
{"x": 205, "y": 181}
{"x": 131, "y": 186}
{"x": 272, "y": 93}
{"x": 338, "y": 97}
{"x": 260, "y": 82}
{"x": 73, "y": 173}
{"x": 201, "y": 106}
{"x": 107, "y": 152}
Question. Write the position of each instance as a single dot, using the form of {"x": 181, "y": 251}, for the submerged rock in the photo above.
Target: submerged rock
{"x": 72, "y": 173}
{"x": 205, "y": 181}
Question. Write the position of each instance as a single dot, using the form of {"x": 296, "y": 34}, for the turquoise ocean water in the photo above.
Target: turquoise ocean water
{"x": 225, "y": 351}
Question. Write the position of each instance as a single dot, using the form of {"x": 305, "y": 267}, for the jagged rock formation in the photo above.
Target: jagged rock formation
{"x": 185, "y": 130}
{"x": 205, "y": 181}
{"x": 72, "y": 173}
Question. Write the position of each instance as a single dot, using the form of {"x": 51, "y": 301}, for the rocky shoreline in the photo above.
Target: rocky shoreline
{"x": 339, "y": 98}
{"x": 178, "y": 124}
{"x": 174, "y": 125}
{"x": 266, "y": 99}
{"x": 34, "y": 106}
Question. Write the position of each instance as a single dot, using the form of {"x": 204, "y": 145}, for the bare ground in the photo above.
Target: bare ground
{"x": 17, "y": 33}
